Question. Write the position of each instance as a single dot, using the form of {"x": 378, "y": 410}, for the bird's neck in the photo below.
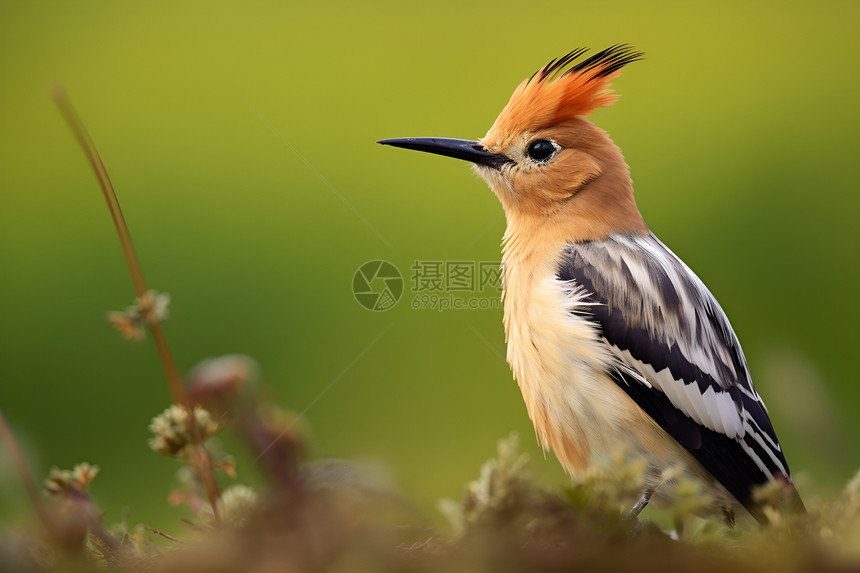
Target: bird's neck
{"x": 603, "y": 208}
{"x": 533, "y": 242}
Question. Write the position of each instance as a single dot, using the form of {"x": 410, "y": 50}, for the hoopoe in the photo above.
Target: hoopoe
{"x": 613, "y": 340}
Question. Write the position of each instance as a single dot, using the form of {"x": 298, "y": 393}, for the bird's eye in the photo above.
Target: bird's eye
{"x": 541, "y": 149}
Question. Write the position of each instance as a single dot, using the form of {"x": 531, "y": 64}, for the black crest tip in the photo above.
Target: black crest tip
{"x": 606, "y": 62}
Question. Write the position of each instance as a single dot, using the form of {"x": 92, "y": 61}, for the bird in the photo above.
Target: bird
{"x": 614, "y": 342}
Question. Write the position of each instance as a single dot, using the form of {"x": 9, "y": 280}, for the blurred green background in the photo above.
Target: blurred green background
{"x": 739, "y": 127}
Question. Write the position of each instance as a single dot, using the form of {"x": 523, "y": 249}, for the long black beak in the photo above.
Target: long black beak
{"x": 457, "y": 148}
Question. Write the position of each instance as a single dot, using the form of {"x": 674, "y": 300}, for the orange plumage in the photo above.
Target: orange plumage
{"x": 549, "y": 98}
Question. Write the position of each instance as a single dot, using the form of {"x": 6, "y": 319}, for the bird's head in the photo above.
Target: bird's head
{"x": 542, "y": 157}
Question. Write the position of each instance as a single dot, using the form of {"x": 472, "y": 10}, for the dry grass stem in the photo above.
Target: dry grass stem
{"x": 200, "y": 458}
{"x": 24, "y": 472}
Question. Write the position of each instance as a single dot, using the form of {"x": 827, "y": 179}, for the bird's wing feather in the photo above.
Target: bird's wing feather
{"x": 678, "y": 356}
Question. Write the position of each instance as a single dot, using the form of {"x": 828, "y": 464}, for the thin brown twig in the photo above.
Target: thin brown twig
{"x": 200, "y": 458}
{"x": 24, "y": 472}
{"x": 86, "y": 142}
{"x": 164, "y": 535}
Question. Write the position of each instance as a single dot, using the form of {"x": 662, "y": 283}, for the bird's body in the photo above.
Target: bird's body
{"x": 599, "y": 334}
{"x": 614, "y": 341}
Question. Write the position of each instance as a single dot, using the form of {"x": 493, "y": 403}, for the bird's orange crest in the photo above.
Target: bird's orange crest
{"x": 564, "y": 89}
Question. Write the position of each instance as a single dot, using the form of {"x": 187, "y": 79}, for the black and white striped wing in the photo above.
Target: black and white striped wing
{"x": 682, "y": 362}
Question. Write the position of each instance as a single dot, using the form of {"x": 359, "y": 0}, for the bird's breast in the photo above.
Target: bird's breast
{"x": 561, "y": 364}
